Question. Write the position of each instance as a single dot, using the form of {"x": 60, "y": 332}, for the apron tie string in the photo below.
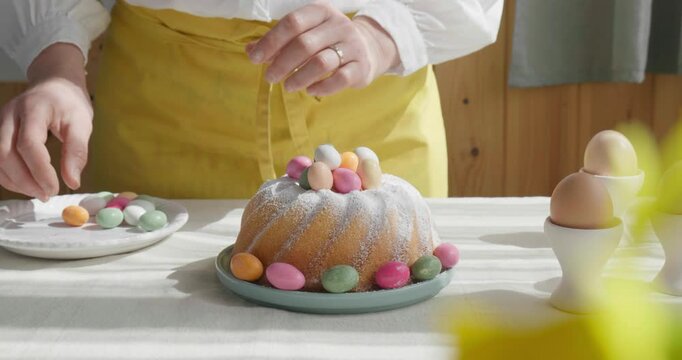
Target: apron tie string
{"x": 264, "y": 134}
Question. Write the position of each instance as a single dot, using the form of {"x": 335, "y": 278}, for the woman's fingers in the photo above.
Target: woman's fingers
{"x": 30, "y": 144}
{"x": 75, "y": 151}
{"x": 14, "y": 175}
{"x": 8, "y": 184}
{"x": 305, "y": 46}
{"x": 349, "y": 75}
{"x": 21, "y": 179}
{"x": 313, "y": 71}
{"x": 290, "y": 26}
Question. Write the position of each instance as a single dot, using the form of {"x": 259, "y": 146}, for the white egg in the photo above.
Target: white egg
{"x": 93, "y": 203}
{"x": 132, "y": 214}
{"x": 327, "y": 154}
{"x": 364, "y": 152}
{"x": 146, "y": 205}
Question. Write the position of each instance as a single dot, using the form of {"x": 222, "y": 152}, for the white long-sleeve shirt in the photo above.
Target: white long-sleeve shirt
{"x": 425, "y": 31}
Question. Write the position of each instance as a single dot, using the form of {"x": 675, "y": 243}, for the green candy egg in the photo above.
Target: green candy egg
{"x": 340, "y": 279}
{"x": 106, "y": 195}
{"x": 153, "y": 220}
{"x": 425, "y": 268}
{"x": 303, "y": 179}
{"x": 109, "y": 218}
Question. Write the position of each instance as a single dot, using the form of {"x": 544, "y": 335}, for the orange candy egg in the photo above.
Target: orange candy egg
{"x": 75, "y": 215}
{"x": 245, "y": 266}
{"x": 128, "y": 195}
{"x": 349, "y": 160}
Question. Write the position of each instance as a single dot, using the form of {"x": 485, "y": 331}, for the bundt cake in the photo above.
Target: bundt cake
{"x": 304, "y": 222}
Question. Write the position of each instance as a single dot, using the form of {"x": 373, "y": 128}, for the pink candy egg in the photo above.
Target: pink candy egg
{"x": 448, "y": 255}
{"x": 320, "y": 176}
{"x": 284, "y": 276}
{"x": 296, "y": 166}
{"x": 392, "y": 275}
{"x": 346, "y": 180}
{"x": 118, "y": 202}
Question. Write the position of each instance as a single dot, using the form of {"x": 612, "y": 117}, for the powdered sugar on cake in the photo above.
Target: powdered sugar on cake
{"x": 395, "y": 197}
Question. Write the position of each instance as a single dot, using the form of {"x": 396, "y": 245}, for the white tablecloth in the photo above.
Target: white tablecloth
{"x": 166, "y": 302}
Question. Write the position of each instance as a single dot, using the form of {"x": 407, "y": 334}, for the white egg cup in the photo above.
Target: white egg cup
{"x": 622, "y": 189}
{"x": 582, "y": 255}
{"x": 668, "y": 228}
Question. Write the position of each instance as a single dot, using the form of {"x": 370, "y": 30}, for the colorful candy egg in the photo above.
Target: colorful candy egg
{"x": 340, "y": 279}
{"x": 303, "y": 180}
{"x": 145, "y": 204}
{"x": 448, "y": 254}
{"x": 364, "y": 152}
{"x": 132, "y": 214}
{"x": 327, "y": 154}
{"x": 93, "y": 203}
{"x": 320, "y": 176}
{"x": 346, "y": 180}
{"x": 426, "y": 268}
{"x": 349, "y": 161}
{"x": 118, "y": 202}
{"x": 110, "y": 217}
{"x": 152, "y": 220}
{"x": 106, "y": 195}
{"x": 245, "y": 266}
{"x": 284, "y": 276}
{"x": 296, "y": 166}
{"x": 75, "y": 215}
{"x": 128, "y": 195}
{"x": 392, "y": 275}
{"x": 370, "y": 174}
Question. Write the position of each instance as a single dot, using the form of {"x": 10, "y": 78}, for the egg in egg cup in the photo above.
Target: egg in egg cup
{"x": 583, "y": 234}
{"x": 611, "y": 159}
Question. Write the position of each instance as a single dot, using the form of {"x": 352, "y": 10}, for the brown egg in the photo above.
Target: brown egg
{"x": 610, "y": 153}
{"x": 580, "y": 201}
{"x": 670, "y": 190}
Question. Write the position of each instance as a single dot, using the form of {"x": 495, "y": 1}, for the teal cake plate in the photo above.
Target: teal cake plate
{"x": 327, "y": 303}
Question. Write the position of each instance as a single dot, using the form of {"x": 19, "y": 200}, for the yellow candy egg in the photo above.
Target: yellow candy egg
{"x": 128, "y": 195}
{"x": 75, "y": 215}
{"x": 349, "y": 161}
{"x": 245, "y": 266}
{"x": 370, "y": 174}
{"x": 320, "y": 176}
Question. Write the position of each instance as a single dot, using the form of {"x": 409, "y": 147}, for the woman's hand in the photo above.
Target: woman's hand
{"x": 301, "y": 46}
{"x": 56, "y": 101}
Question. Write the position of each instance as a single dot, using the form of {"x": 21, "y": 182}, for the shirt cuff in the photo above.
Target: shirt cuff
{"x": 398, "y": 22}
{"x": 53, "y": 30}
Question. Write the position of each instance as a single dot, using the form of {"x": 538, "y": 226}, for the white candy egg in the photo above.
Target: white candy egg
{"x": 327, "y": 154}
{"x": 364, "y": 152}
{"x": 132, "y": 214}
{"x": 93, "y": 203}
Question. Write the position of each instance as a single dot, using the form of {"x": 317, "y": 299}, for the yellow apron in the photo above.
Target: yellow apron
{"x": 180, "y": 112}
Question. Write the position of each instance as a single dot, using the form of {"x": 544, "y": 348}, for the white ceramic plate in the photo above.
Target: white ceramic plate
{"x": 34, "y": 228}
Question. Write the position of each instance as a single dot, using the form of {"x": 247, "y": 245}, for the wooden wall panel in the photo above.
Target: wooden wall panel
{"x": 667, "y": 102}
{"x": 473, "y": 96}
{"x": 542, "y": 143}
